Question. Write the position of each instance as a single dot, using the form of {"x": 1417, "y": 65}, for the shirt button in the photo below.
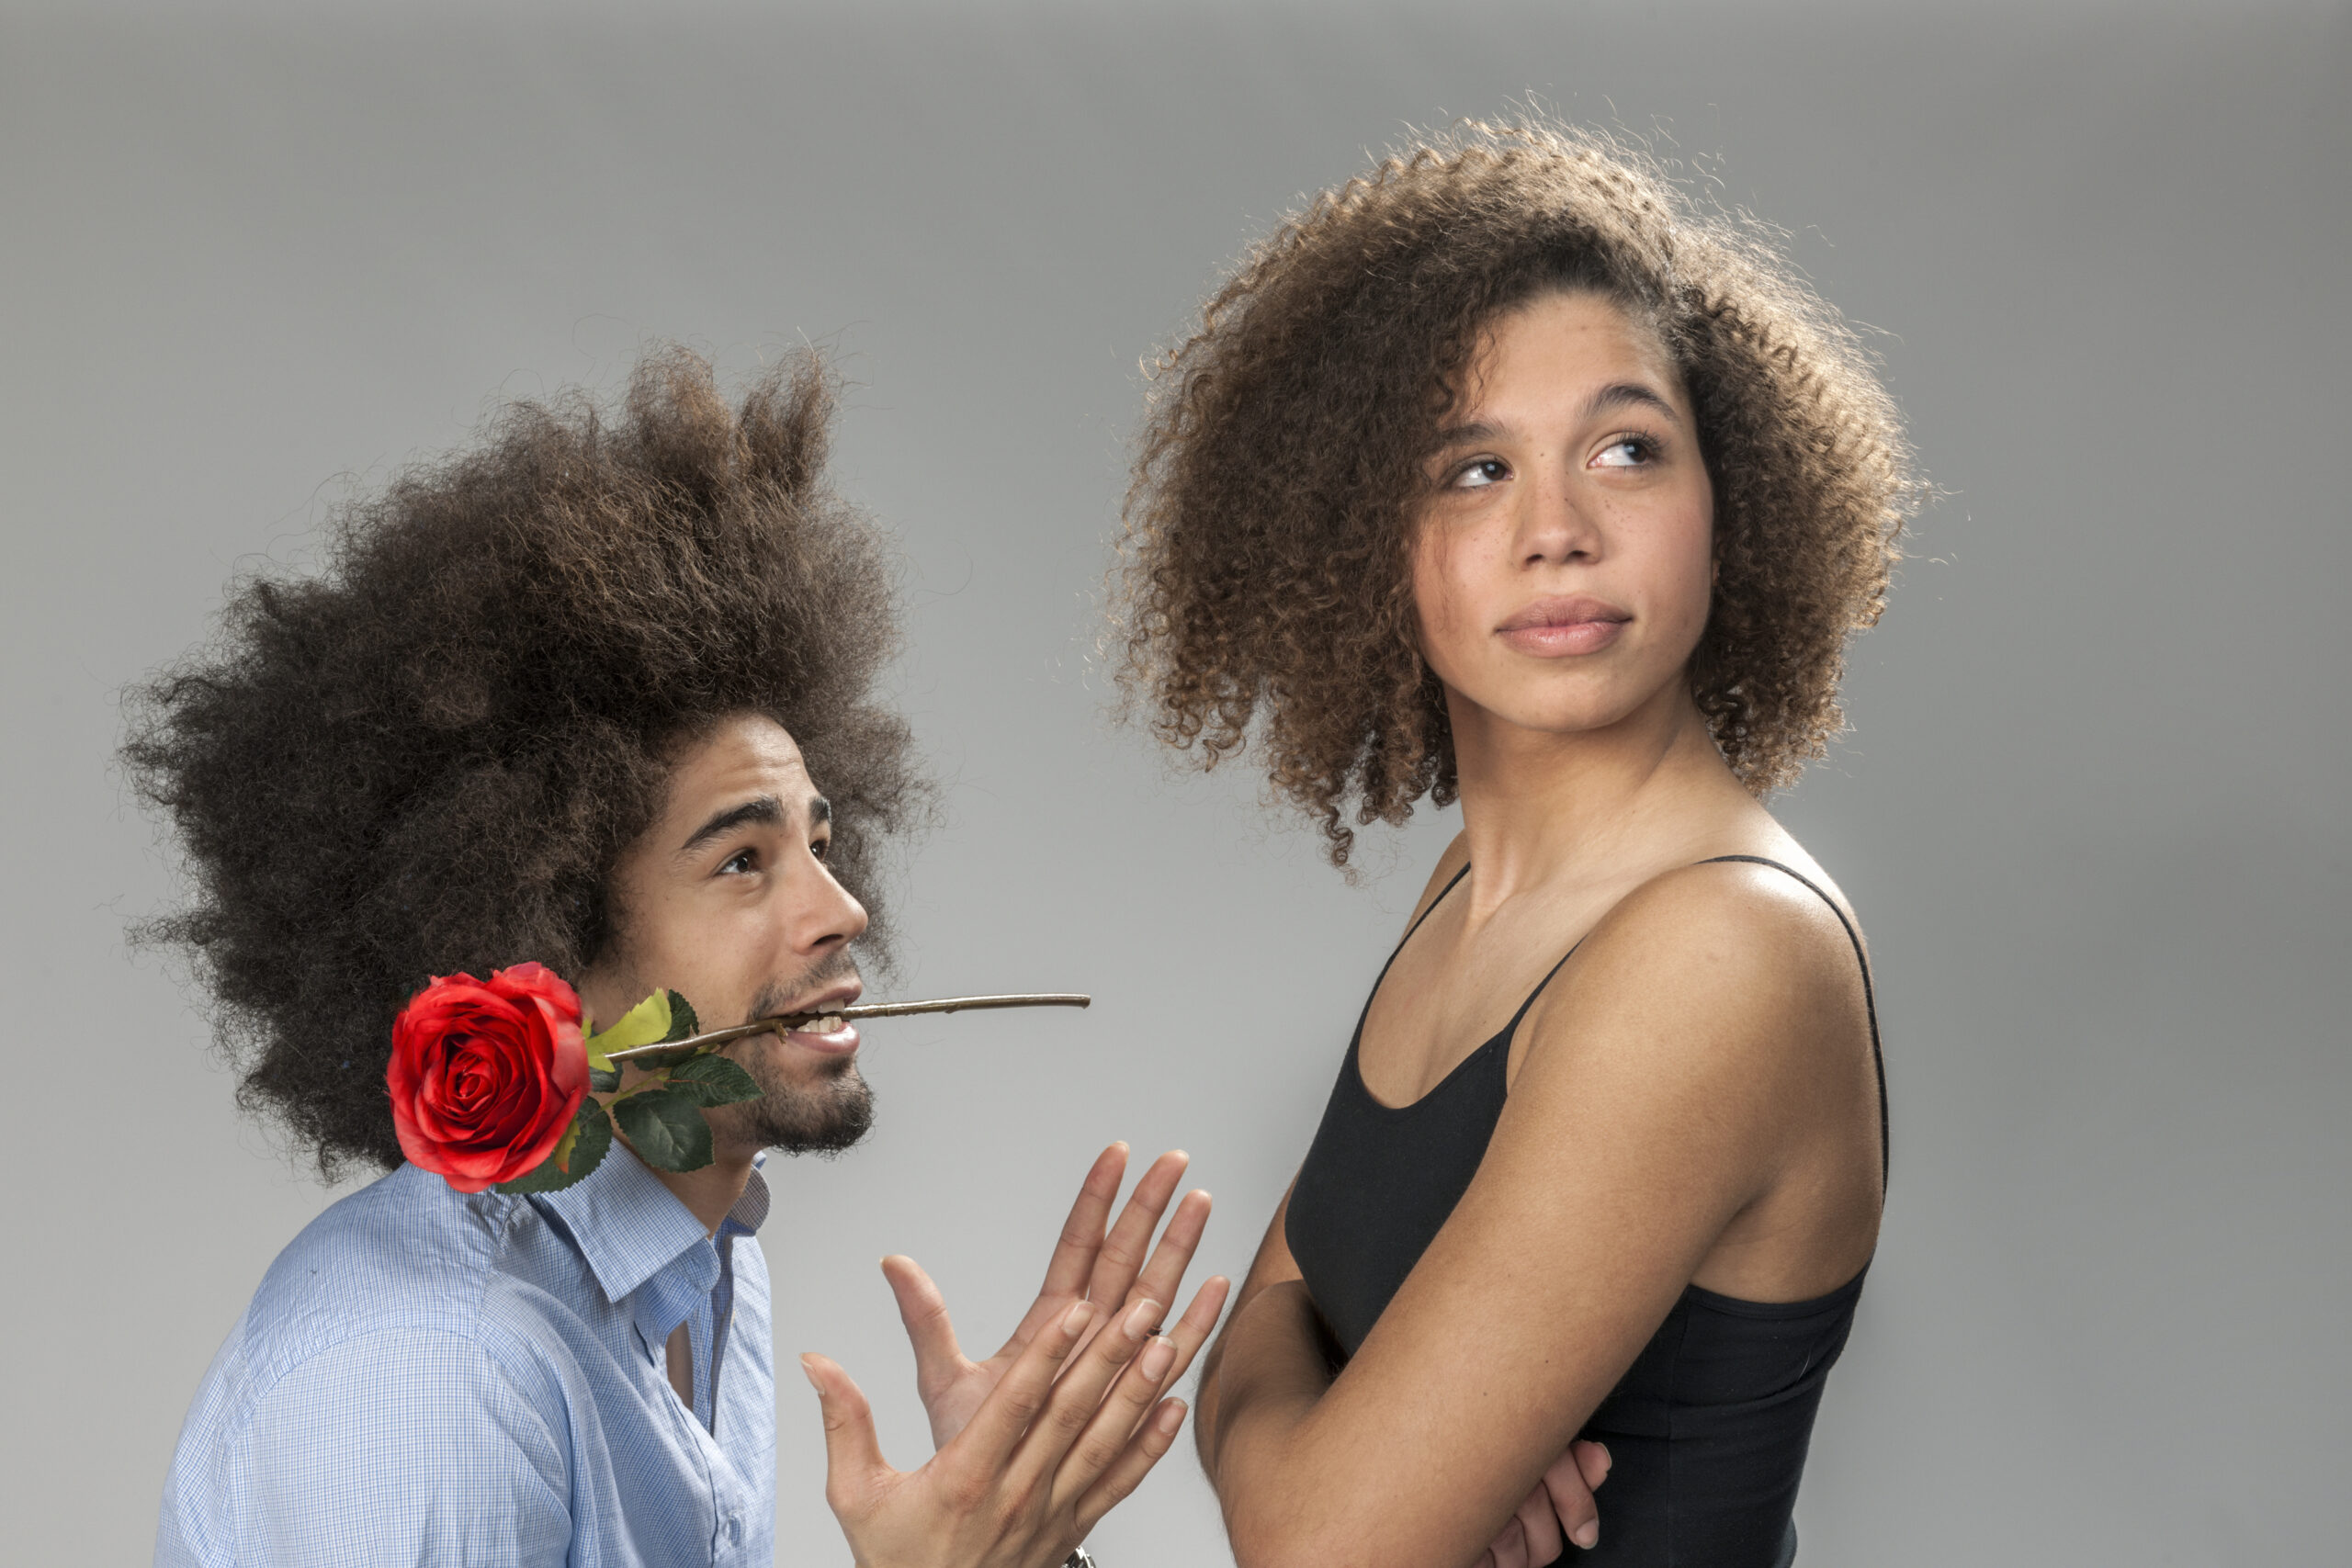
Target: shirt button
{"x": 734, "y": 1532}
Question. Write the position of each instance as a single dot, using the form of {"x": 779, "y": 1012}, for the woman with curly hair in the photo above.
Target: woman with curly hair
{"x": 1506, "y": 473}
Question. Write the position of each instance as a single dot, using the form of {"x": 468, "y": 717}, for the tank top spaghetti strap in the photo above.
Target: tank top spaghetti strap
{"x": 1707, "y": 1430}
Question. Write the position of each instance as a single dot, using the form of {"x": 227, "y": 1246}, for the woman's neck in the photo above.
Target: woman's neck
{"x": 1539, "y": 807}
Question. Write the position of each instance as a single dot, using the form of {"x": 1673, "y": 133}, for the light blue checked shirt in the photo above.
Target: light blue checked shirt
{"x": 429, "y": 1380}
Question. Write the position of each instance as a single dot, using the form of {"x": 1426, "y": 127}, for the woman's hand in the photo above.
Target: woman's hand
{"x": 1087, "y": 1265}
{"x": 1065, "y": 1434}
{"x": 1561, "y": 1504}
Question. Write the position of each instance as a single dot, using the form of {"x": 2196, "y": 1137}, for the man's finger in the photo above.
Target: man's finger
{"x": 988, "y": 1440}
{"x": 1571, "y": 1496}
{"x": 1081, "y": 1237}
{"x": 1144, "y": 1450}
{"x": 1164, "y": 1275}
{"x": 1123, "y": 1250}
{"x": 1193, "y": 1330}
{"x": 853, "y": 1454}
{"x": 1115, "y": 1419}
{"x": 924, "y": 1311}
{"x": 1079, "y": 1395}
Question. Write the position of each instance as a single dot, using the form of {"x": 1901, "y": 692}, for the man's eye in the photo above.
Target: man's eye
{"x": 1478, "y": 475}
{"x": 741, "y": 863}
{"x": 821, "y": 848}
{"x": 1625, "y": 451}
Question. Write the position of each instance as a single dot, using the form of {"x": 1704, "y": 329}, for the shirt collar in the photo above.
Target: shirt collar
{"x": 750, "y": 1211}
{"x": 630, "y": 1227}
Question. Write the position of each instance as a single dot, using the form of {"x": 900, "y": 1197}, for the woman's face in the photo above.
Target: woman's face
{"x": 1563, "y": 568}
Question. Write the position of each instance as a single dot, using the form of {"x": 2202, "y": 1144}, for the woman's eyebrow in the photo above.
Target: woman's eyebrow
{"x": 1466, "y": 434}
{"x": 1628, "y": 394}
{"x": 1616, "y": 395}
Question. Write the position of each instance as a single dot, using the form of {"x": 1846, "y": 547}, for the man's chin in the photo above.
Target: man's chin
{"x": 821, "y": 1118}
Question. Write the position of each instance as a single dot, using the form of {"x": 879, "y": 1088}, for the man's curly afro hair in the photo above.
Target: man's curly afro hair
{"x": 1266, "y": 577}
{"x": 427, "y": 757}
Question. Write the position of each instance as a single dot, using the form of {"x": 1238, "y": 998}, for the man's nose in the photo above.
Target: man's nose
{"x": 823, "y": 915}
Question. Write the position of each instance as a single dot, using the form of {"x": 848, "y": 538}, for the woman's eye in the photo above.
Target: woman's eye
{"x": 1480, "y": 474}
{"x": 1625, "y": 451}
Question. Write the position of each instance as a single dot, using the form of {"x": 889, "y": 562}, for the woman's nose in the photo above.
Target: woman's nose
{"x": 1555, "y": 523}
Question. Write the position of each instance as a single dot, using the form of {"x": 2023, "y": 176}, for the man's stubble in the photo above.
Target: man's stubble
{"x": 823, "y": 1117}
{"x": 801, "y": 1117}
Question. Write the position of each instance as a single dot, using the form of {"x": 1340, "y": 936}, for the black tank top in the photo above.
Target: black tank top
{"x": 1706, "y": 1430}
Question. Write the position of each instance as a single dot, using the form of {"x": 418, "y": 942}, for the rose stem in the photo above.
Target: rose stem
{"x": 783, "y": 1022}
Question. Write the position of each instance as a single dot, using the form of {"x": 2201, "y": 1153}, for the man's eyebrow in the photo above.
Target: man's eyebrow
{"x": 758, "y": 809}
{"x": 820, "y": 810}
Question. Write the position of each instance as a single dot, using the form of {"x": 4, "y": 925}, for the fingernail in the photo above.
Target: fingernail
{"x": 1074, "y": 1321}
{"x": 1153, "y": 1362}
{"x": 1585, "y": 1534}
{"x": 1171, "y": 1416}
{"x": 809, "y": 1372}
{"x": 1142, "y": 1318}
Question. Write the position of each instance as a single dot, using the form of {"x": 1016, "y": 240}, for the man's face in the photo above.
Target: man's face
{"x": 726, "y": 899}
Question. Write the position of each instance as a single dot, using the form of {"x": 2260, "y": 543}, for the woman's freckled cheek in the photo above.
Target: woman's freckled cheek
{"x": 1434, "y": 592}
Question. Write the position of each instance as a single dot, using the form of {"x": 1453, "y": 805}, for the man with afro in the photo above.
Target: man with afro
{"x": 595, "y": 692}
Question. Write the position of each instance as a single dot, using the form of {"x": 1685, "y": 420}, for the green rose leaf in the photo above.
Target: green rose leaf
{"x": 683, "y": 1024}
{"x": 647, "y": 1023}
{"x": 603, "y": 1081}
{"x": 712, "y": 1080}
{"x": 595, "y": 1140}
{"x": 666, "y": 1129}
{"x": 580, "y": 1151}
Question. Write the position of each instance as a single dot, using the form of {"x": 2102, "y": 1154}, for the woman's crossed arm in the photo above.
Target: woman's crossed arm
{"x": 1709, "y": 1018}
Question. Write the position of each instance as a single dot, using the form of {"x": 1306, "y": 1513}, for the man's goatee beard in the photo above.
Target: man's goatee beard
{"x": 823, "y": 1118}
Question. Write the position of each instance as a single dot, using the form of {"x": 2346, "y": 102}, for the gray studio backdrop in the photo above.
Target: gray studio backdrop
{"x": 2091, "y": 809}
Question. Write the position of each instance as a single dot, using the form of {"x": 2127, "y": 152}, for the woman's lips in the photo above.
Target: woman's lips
{"x": 1554, "y": 628}
{"x": 1575, "y": 637}
{"x": 827, "y": 1036}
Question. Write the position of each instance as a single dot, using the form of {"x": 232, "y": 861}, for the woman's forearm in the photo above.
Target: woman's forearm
{"x": 1265, "y": 1377}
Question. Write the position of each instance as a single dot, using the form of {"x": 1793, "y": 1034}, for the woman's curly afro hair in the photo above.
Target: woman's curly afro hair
{"x": 1265, "y": 574}
{"x": 427, "y": 757}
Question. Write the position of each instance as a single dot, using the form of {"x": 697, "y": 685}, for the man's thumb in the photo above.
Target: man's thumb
{"x": 853, "y": 1454}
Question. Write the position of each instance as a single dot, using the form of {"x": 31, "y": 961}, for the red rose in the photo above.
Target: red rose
{"x": 487, "y": 1073}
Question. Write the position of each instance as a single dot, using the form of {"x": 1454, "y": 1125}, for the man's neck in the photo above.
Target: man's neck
{"x": 708, "y": 1193}
{"x": 712, "y": 1192}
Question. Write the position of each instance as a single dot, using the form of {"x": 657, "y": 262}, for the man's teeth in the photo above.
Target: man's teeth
{"x": 829, "y": 1024}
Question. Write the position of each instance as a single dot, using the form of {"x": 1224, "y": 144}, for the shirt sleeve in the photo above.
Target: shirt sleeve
{"x": 401, "y": 1447}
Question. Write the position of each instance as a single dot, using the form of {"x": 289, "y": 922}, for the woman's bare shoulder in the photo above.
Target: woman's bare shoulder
{"x": 1732, "y": 954}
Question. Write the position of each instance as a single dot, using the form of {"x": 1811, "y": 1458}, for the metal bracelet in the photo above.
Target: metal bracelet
{"x": 1079, "y": 1558}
